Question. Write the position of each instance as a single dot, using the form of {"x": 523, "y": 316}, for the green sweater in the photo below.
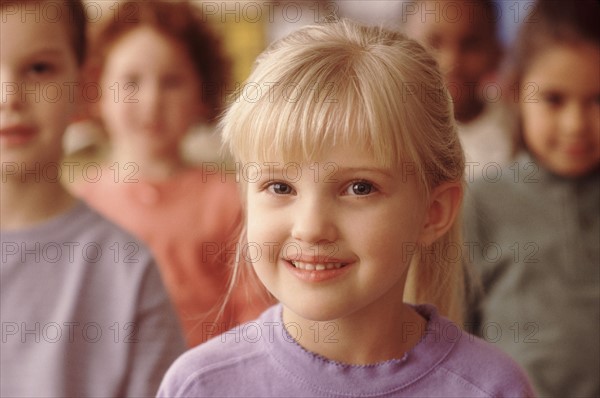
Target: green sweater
{"x": 534, "y": 239}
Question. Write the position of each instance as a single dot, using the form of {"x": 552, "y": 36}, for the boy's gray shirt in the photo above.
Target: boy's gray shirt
{"x": 83, "y": 311}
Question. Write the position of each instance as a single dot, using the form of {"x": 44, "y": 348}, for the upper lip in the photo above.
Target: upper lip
{"x": 303, "y": 261}
{"x": 316, "y": 260}
{"x": 16, "y": 129}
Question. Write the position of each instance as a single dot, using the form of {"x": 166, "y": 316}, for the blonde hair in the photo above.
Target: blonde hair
{"x": 341, "y": 82}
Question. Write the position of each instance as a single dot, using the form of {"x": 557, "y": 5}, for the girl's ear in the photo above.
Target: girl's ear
{"x": 444, "y": 206}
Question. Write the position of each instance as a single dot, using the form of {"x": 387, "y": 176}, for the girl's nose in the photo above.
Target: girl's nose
{"x": 149, "y": 106}
{"x": 314, "y": 221}
{"x": 150, "y": 96}
{"x": 574, "y": 119}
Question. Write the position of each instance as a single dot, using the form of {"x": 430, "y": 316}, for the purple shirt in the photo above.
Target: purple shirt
{"x": 260, "y": 358}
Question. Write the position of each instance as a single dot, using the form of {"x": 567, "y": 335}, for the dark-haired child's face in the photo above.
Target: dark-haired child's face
{"x": 39, "y": 74}
{"x": 465, "y": 46}
{"x": 152, "y": 91}
{"x": 560, "y": 108}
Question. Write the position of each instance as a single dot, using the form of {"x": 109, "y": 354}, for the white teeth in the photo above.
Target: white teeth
{"x": 315, "y": 267}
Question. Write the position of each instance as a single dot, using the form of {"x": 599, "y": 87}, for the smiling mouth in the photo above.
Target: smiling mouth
{"x": 17, "y": 135}
{"x": 316, "y": 266}
{"x": 15, "y": 131}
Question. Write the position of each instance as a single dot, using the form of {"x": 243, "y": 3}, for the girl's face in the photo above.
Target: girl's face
{"x": 39, "y": 71}
{"x": 151, "y": 91}
{"x": 560, "y": 108}
{"x": 332, "y": 238}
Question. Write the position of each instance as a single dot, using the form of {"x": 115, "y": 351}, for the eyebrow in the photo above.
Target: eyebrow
{"x": 375, "y": 170}
{"x": 46, "y": 52}
{"x": 344, "y": 170}
{"x": 50, "y": 51}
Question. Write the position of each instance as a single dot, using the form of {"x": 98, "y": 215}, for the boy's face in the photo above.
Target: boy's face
{"x": 560, "y": 109}
{"x": 39, "y": 74}
{"x": 464, "y": 44}
{"x": 151, "y": 91}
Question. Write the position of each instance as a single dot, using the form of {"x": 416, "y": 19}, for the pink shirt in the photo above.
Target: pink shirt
{"x": 187, "y": 221}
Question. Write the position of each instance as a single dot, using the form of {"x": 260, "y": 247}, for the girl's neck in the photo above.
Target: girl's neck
{"x": 153, "y": 166}
{"x": 364, "y": 338}
{"x": 25, "y": 202}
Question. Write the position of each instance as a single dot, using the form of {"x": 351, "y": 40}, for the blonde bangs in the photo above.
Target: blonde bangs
{"x": 318, "y": 98}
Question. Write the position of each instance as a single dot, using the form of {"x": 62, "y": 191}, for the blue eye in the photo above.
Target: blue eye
{"x": 360, "y": 188}
{"x": 281, "y": 188}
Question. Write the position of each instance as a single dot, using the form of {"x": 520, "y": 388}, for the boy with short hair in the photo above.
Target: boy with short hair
{"x": 83, "y": 309}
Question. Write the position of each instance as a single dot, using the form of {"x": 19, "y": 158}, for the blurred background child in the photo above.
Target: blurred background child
{"x": 463, "y": 37}
{"x": 537, "y": 227}
{"x": 162, "y": 71}
{"x": 83, "y": 309}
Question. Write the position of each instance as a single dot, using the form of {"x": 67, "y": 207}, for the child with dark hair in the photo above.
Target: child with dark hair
{"x": 464, "y": 39}
{"x": 541, "y": 299}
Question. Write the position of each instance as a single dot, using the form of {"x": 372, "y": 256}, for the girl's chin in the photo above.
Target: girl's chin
{"x": 308, "y": 312}
{"x": 574, "y": 170}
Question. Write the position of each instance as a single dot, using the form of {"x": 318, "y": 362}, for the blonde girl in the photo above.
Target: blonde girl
{"x": 352, "y": 176}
